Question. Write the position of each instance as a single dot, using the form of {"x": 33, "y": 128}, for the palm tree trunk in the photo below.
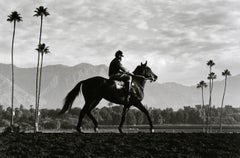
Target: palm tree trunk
{"x": 224, "y": 92}
{"x": 36, "y": 96}
{"x": 209, "y": 104}
{"x": 203, "y": 110}
{"x": 37, "y": 82}
{"x": 39, "y": 88}
{"x": 202, "y": 98}
{"x": 40, "y": 41}
{"x": 12, "y": 99}
{"x": 210, "y": 107}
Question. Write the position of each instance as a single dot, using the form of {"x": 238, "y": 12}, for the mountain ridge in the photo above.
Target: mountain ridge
{"x": 59, "y": 79}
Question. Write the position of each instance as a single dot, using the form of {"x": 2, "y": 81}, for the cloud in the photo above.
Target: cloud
{"x": 176, "y": 37}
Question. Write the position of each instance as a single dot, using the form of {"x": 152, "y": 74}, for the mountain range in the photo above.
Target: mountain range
{"x": 58, "y": 80}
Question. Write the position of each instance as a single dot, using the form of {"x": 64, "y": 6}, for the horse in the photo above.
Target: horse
{"x": 96, "y": 88}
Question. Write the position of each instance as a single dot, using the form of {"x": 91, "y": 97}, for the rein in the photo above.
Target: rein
{"x": 140, "y": 76}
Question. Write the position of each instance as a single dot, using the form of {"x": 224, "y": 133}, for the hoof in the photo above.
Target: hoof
{"x": 79, "y": 129}
{"x": 95, "y": 129}
{"x": 151, "y": 130}
{"x": 120, "y": 130}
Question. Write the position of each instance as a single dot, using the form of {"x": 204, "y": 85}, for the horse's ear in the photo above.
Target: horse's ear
{"x": 141, "y": 64}
{"x": 145, "y": 63}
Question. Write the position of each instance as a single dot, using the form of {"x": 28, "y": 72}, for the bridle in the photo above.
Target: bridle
{"x": 143, "y": 71}
{"x": 143, "y": 77}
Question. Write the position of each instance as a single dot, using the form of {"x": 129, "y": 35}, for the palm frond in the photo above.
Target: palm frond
{"x": 202, "y": 84}
{"x": 212, "y": 76}
{"x": 14, "y": 16}
{"x": 226, "y": 73}
{"x": 210, "y": 63}
{"x": 43, "y": 49}
{"x": 41, "y": 11}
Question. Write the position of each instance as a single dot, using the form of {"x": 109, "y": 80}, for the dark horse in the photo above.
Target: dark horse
{"x": 96, "y": 88}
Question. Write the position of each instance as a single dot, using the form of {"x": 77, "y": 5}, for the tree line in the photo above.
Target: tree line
{"x": 50, "y": 119}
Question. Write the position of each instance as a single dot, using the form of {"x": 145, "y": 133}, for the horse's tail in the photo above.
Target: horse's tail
{"x": 68, "y": 101}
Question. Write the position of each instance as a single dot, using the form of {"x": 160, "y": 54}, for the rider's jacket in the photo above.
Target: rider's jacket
{"x": 116, "y": 67}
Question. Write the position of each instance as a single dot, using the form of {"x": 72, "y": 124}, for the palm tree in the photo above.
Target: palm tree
{"x": 13, "y": 17}
{"x": 211, "y": 77}
{"x": 39, "y": 12}
{"x": 210, "y": 63}
{"x": 225, "y": 73}
{"x": 42, "y": 49}
{"x": 202, "y": 84}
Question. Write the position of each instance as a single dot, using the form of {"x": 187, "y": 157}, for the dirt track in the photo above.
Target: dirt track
{"x": 120, "y": 145}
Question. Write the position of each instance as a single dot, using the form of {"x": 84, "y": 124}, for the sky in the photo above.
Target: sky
{"x": 176, "y": 37}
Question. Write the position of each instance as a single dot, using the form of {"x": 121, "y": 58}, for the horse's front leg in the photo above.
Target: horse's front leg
{"x": 79, "y": 129}
{"x": 123, "y": 118}
{"x": 141, "y": 107}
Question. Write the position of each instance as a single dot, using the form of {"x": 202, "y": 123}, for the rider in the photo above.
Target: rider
{"x": 118, "y": 72}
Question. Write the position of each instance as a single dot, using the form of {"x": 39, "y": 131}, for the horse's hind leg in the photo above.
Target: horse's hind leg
{"x": 125, "y": 109}
{"x": 91, "y": 116}
{"x": 94, "y": 121}
{"x": 87, "y": 110}
{"x": 81, "y": 115}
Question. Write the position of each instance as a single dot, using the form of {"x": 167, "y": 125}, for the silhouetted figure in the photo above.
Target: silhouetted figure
{"x": 118, "y": 72}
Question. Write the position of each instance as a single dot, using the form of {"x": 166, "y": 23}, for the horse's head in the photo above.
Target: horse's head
{"x": 145, "y": 71}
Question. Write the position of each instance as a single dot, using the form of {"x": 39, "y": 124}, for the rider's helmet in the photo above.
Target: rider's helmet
{"x": 118, "y": 54}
